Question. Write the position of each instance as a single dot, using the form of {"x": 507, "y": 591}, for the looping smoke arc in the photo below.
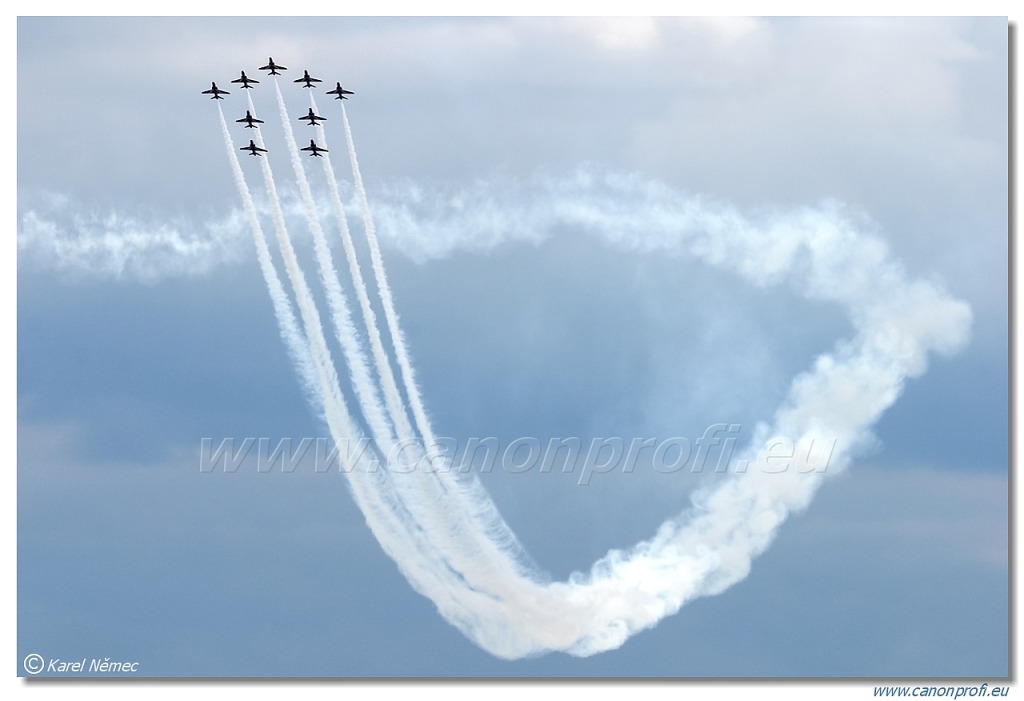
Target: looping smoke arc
{"x": 443, "y": 530}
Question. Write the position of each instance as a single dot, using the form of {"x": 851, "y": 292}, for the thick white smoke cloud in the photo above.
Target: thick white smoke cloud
{"x": 56, "y": 233}
{"x": 818, "y": 253}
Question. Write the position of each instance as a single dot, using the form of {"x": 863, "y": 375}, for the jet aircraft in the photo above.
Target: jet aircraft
{"x": 250, "y": 121}
{"x": 340, "y": 92}
{"x": 313, "y": 149}
{"x": 244, "y": 80}
{"x": 307, "y": 80}
{"x": 216, "y": 92}
{"x": 272, "y": 67}
{"x": 313, "y": 118}
{"x": 252, "y": 148}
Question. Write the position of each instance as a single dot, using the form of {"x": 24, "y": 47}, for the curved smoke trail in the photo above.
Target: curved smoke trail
{"x": 452, "y": 506}
{"x": 708, "y": 547}
{"x": 448, "y": 538}
{"x": 392, "y": 395}
{"x": 383, "y": 507}
{"x": 384, "y": 289}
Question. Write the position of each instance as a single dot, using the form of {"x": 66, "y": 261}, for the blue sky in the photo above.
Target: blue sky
{"x": 144, "y": 326}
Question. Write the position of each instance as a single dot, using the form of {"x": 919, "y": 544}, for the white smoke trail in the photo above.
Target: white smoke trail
{"x": 513, "y": 612}
{"x": 373, "y": 494}
{"x": 315, "y": 370}
{"x": 483, "y": 549}
{"x": 363, "y": 383}
{"x": 477, "y": 540}
{"x": 293, "y": 338}
{"x": 329, "y": 395}
{"x": 382, "y": 507}
{"x": 416, "y": 492}
{"x": 384, "y": 289}
{"x": 709, "y": 547}
{"x": 381, "y": 363}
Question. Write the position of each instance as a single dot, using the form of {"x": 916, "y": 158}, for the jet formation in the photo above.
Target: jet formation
{"x": 250, "y": 121}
